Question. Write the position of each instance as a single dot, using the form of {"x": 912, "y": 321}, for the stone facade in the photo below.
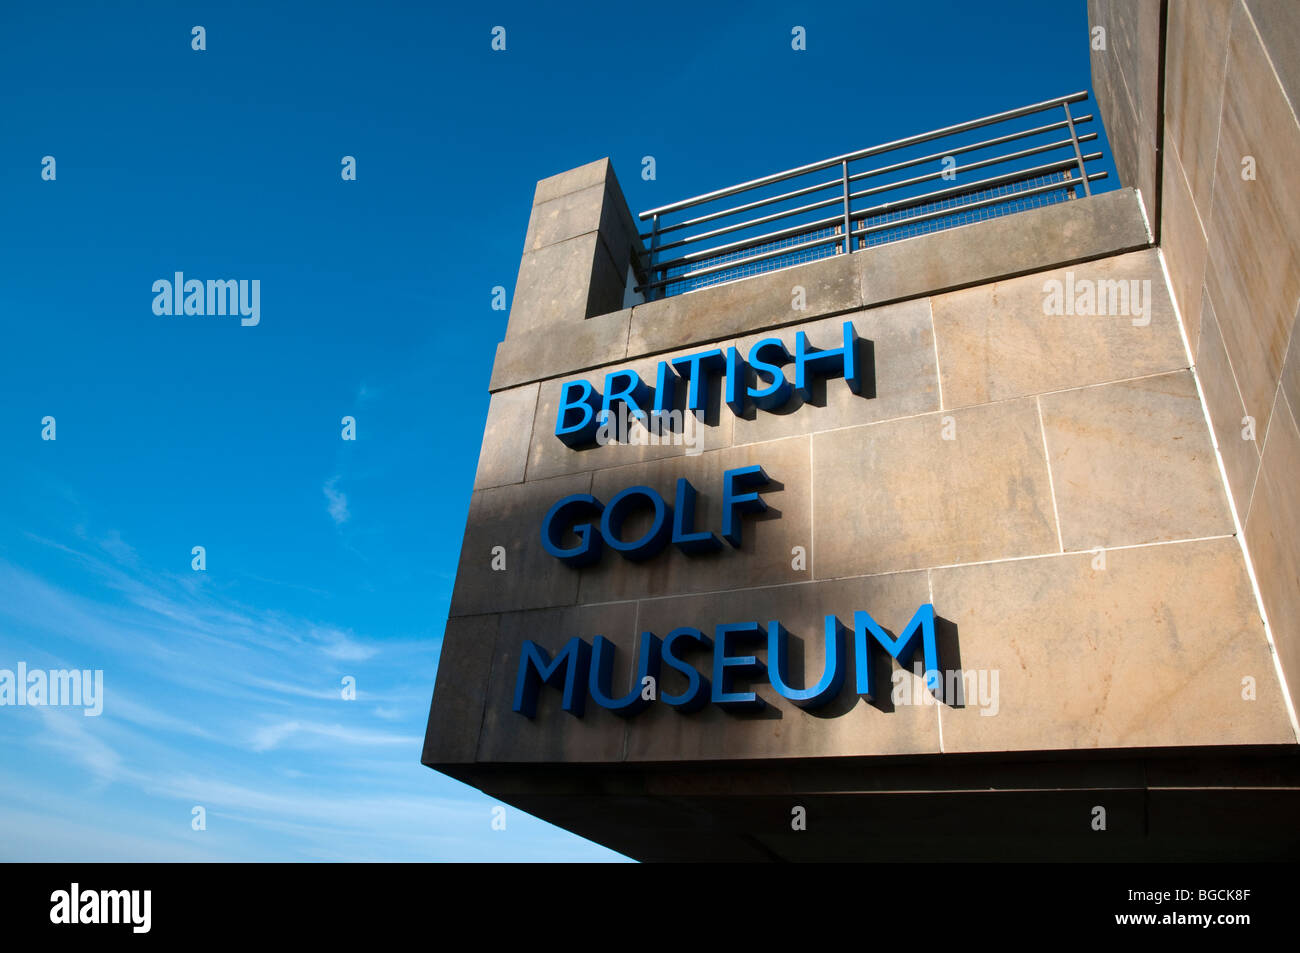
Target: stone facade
{"x": 1229, "y": 228}
{"x": 1048, "y": 481}
{"x": 1074, "y": 442}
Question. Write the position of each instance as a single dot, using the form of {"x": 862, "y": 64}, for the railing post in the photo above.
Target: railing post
{"x": 848, "y": 224}
{"x": 650, "y": 271}
{"x": 1074, "y": 138}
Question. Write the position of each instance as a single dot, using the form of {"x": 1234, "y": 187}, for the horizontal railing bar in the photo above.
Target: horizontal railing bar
{"x": 910, "y": 202}
{"x": 744, "y": 243}
{"x": 775, "y": 253}
{"x": 761, "y": 220}
{"x": 938, "y": 213}
{"x": 1062, "y": 185}
{"x": 982, "y": 203}
{"x": 748, "y": 206}
{"x": 982, "y": 163}
{"x": 836, "y": 183}
{"x": 825, "y": 240}
{"x": 811, "y": 207}
{"x": 1052, "y": 127}
{"x": 976, "y": 186}
{"x": 862, "y": 153}
{"x": 894, "y": 219}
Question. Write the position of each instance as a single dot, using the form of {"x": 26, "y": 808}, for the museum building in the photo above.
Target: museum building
{"x": 937, "y": 501}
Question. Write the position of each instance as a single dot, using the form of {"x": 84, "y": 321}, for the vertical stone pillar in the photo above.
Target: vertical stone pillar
{"x": 580, "y": 254}
{"x": 1126, "y": 84}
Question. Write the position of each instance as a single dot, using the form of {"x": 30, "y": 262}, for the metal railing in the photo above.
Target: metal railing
{"x": 720, "y": 240}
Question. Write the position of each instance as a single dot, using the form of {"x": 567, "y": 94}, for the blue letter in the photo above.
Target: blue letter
{"x": 684, "y": 521}
{"x": 697, "y": 687}
{"x": 602, "y": 670}
{"x": 536, "y": 669}
{"x": 611, "y": 524}
{"x": 583, "y": 431}
{"x": 777, "y": 392}
{"x": 626, "y": 388}
{"x": 697, "y": 393}
{"x": 746, "y": 663}
{"x": 665, "y": 390}
{"x": 733, "y": 502}
{"x": 832, "y": 675}
{"x": 901, "y": 648}
{"x": 835, "y": 362}
{"x": 557, "y": 519}
{"x": 737, "y": 377}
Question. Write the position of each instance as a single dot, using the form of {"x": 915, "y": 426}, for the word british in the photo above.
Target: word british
{"x": 582, "y": 409}
{"x": 580, "y": 669}
{"x": 739, "y": 495}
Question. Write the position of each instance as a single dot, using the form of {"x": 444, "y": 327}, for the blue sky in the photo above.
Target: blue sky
{"x": 328, "y": 558}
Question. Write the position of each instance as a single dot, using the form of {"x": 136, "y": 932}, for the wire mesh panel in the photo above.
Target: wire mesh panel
{"x": 977, "y": 170}
{"x": 1013, "y": 195}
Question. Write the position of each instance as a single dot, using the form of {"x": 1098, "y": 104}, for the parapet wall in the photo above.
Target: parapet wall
{"x": 944, "y": 261}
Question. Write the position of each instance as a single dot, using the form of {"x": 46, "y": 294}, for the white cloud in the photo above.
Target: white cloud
{"x": 216, "y": 703}
{"x": 67, "y": 734}
{"x": 339, "y": 646}
{"x": 338, "y": 501}
{"x": 312, "y": 733}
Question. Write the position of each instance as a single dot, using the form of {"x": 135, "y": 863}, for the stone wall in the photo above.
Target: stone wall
{"x": 1047, "y": 481}
{"x": 1229, "y": 227}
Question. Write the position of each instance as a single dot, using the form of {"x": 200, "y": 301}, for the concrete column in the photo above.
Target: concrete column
{"x": 580, "y": 253}
{"x": 1126, "y": 85}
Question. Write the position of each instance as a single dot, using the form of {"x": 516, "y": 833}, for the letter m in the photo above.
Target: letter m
{"x": 1112, "y": 298}
{"x": 65, "y": 687}
{"x": 221, "y": 296}
{"x": 121, "y": 906}
{"x": 901, "y": 649}
{"x": 536, "y": 669}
